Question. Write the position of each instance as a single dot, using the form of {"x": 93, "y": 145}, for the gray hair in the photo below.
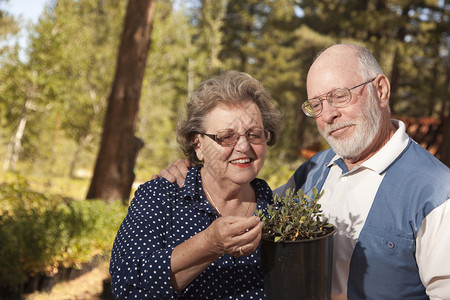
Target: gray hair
{"x": 368, "y": 68}
{"x": 368, "y": 65}
{"x": 231, "y": 87}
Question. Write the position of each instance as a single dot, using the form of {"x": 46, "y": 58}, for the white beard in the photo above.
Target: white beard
{"x": 367, "y": 125}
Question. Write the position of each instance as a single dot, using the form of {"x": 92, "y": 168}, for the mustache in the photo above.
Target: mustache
{"x": 336, "y": 126}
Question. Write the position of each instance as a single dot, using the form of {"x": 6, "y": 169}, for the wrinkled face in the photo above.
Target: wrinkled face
{"x": 238, "y": 164}
{"x": 349, "y": 130}
{"x": 349, "y": 138}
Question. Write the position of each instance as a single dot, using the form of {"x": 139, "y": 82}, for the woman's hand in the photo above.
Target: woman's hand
{"x": 237, "y": 236}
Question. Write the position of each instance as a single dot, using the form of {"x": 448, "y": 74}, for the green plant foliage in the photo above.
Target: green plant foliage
{"x": 295, "y": 216}
{"x": 41, "y": 233}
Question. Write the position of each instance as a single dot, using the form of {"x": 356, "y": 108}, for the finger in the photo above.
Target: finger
{"x": 179, "y": 170}
{"x": 187, "y": 163}
{"x": 254, "y": 241}
{"x": 251, "y": 236}
{"x": 240, "y": 225}
{"x": 250, "y": 243}
{"x": 237, "y": 252}
{"x": 234, "y": 232}
{"x": 183, "y": 166}
{"x": 155, "y": 177}
{"x": 249, "y": 248}
{"x": 221, "y": 232}
{"x": 165, "y": 173}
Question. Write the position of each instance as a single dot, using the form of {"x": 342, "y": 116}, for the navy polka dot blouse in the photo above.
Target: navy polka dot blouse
{"x": 161, "y": 216}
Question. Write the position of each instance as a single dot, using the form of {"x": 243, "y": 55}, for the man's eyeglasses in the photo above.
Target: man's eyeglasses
{"x": 229, "y": 137}
{"x": 339, "y": 97}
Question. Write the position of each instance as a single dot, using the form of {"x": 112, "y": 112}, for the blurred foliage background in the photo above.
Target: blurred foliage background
{"x": 52, "y": 102}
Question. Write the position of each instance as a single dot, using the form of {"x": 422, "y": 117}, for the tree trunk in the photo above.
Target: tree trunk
{"x": 15, "y": 144}
{"x": 81, "y": 145}
{"x": 394, "y": 80}
{"x": 113, "y": 174}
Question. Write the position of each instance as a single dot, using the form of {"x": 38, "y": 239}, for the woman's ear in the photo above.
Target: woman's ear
{"x": 383, "y": 89}
{"x": 198, "y": 147}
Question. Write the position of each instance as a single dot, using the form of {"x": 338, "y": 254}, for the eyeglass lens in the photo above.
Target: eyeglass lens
{"x": 230, "y": 137}
{"x": 337, "y": 98}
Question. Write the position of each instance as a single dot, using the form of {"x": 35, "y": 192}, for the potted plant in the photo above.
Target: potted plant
{"x": 296, "y": 247}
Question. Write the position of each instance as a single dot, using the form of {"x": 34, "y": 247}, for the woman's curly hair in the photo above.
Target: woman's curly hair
{"x": 232, "y": 87}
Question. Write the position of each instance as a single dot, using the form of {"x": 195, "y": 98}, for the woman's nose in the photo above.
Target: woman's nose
{"x": 242, "y": 143}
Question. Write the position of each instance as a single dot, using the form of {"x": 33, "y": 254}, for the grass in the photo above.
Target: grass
{"x": 67, "y": 187}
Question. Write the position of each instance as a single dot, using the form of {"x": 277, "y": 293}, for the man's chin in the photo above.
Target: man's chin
{"x": 342, "y": 148}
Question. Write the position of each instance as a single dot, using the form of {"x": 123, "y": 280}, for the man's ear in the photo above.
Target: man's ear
{"x": 383, "y": 89}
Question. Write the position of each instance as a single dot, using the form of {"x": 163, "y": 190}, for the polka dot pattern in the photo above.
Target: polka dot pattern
{"x": 161, "y": 216}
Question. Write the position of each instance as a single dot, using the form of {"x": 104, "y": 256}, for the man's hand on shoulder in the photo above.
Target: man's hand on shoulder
{"x": 176, "y": 171}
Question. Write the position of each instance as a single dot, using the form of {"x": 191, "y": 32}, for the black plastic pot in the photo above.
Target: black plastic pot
{"x": 298, "y": 270}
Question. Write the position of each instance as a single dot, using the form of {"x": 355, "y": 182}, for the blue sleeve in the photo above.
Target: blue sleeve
{"x": 140, "y": 261}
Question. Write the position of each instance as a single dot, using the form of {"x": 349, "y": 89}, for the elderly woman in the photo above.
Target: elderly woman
{"x": 201, "y": 241}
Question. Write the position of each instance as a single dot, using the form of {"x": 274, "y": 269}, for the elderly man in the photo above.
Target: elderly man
{"x": 388, "y": 197}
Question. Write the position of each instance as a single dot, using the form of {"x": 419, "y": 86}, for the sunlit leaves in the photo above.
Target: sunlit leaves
{"x": 295, "y": 216}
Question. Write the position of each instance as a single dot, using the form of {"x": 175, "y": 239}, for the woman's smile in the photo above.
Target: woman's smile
{"x": 242, "y": 162}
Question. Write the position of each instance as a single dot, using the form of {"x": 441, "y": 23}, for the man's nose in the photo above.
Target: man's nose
{"x": 329, "y": 112}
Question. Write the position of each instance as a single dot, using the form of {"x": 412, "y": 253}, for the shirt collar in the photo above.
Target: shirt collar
{"x": 381, "y": 160}
{"x": 192, "y": 181}
{"x": 192, "y": 191}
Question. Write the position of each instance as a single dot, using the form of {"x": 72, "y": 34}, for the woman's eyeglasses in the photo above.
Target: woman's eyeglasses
{"x": 229, "y": 137}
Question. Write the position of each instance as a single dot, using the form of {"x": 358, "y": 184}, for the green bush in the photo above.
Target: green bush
{"x": 40, "y": 233}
